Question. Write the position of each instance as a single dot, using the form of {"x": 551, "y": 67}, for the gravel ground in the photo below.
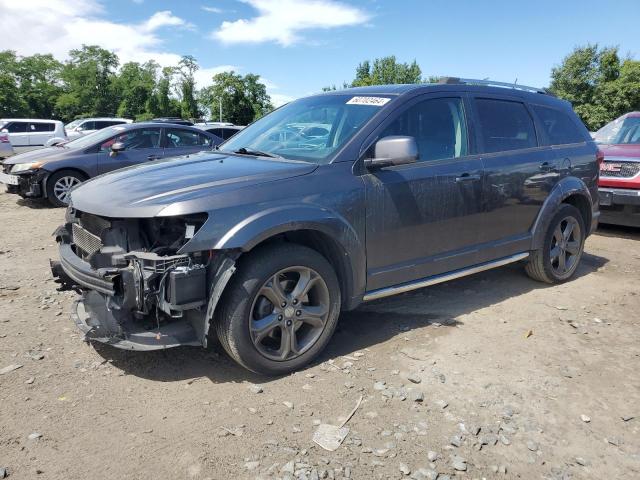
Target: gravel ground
{"x": 492, "y": 376}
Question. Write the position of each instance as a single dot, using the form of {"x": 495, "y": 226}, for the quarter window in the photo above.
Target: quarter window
{"x": 438, "y": 126}
{"x": 505, "y": 125}
{"x": 176, "y": 138}
{"x": 558, "y": 126}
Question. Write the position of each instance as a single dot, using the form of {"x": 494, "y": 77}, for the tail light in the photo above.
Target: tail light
{"x": 4, "y": 138}
{"x": 600, "y": 157}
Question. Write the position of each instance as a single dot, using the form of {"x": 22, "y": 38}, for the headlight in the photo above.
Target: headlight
{"x": 23, "y": 167}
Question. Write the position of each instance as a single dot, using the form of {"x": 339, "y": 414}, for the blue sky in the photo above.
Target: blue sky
{"x": 301, "y": 46}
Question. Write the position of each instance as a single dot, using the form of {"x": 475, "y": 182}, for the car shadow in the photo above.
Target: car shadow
{"x": 35, "y": 203}
{"x": 628, "y": 233}
{"x": 437, "y": 307}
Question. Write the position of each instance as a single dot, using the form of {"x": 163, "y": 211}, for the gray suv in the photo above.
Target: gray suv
{"x": 328, "y": 202}
{"x": 52, "y": 172}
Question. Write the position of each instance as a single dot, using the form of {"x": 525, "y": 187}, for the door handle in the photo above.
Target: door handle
{"x": 467, "y": 177}
{"x": 548, "y": 167}
{"x": 153, "y": 157}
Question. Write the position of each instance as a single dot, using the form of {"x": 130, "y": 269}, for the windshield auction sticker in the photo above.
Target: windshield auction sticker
{"x": 373, "y": 101}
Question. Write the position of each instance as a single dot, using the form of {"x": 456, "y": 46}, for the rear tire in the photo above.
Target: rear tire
{"x": 279, "y": 310}
{"x": 558, "y": 258}
{"x": 60, "y": 183}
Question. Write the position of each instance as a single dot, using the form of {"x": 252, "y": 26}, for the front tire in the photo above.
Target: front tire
{"x": 59, "y": 186}
{"x": 279, "y": 310}
{"x": 562, "y": 249}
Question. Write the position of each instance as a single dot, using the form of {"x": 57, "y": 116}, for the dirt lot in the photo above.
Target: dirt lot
{"x": 515, "y": 380}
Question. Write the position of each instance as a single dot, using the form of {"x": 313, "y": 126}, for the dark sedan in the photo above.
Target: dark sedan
{"x": 52, "y": 172}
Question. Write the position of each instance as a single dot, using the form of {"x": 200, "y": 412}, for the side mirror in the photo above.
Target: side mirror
{"x": 117, "y": 148}
{"x": 79, "y": 129}
{"x": 4, "y": 130}
{"x": 393, "y": 150}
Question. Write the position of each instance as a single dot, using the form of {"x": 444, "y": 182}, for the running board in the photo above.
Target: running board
{"x": 444, "y": 277}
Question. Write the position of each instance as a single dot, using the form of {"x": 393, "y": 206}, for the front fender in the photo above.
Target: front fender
{"x": 561, "y": 191}
{"x": 268, "y": 223}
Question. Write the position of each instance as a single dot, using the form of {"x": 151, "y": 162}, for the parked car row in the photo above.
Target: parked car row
{"x": 52, "y": 172}
{"x": 327, "y": 202}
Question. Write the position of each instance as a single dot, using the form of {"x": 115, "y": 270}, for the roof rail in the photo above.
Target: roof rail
{"x": 491, "y": 83}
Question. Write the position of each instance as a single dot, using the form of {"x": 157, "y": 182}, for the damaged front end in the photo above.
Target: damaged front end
{"x": 138, "y": 290}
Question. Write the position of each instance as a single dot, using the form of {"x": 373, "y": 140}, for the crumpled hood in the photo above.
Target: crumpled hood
{"x": 47, "y": 154}
{"x": 148, "y": 189}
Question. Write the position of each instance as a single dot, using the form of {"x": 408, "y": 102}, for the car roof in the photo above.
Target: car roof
{"x": 105, "y": 118}
{"x": 540, "y": 96}
{"x": 39, "y": 120}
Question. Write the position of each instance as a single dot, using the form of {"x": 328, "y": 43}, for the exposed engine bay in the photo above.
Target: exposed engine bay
{"x": 138, "y": 291}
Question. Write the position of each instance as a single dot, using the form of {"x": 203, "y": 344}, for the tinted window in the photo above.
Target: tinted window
{"x": 216, "y": 131}
{"x": 505, "y": 125}
{"x": 230, "y": 132}
{"x": 42, "y": 127}
{"x": 99, "y": 125}
{"x": 558, "y": 126}
{"x": 438, "y": 125}
{"x": 90, "y": 125}
{"x": 16, "y": 127}
{"x": 135, "y": 139}
{"x": 176, "y": 138}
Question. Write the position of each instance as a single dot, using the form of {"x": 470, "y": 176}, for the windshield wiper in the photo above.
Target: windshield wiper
{"x": 257, "y": 153}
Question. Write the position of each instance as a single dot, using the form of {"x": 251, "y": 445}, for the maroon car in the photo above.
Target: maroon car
{"x": 619, "y": 185}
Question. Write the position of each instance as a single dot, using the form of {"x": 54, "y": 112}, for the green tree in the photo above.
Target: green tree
{"x": 244, "y": 98}
{"x": 599, "y": 84}
{"x": 89, "y": 78}
{"x": 187, "y": 86}
{"x": 40, "y": 84}
{"x": 136, "y": 84}
{"x": 386, "y": 70}
{"x": 11, "y": 102}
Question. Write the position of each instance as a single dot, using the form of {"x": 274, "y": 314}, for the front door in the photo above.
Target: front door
{"x": 141, "y": 145}
{"x": 425, "y": 218}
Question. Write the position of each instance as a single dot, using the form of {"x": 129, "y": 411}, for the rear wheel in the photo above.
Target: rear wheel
{"x": 59, "y": 186}
{"x": 562, "y": 248}
{"x": 279, "y": 310}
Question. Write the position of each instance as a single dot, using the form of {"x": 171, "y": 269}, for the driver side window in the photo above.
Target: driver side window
{"x": 438, "y": 126}
{"x": 135, "y": 139}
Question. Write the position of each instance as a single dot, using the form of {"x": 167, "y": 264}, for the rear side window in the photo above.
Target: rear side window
{"x": 505, "y": 125}
{"x": 176, "y": 138}
{"x": 438, "y": 126}
{"x": 230, "y": 132}
{"x": 558, "y": 126}
{"x": 16, "y": 127}
{"x": 42, "y": 127}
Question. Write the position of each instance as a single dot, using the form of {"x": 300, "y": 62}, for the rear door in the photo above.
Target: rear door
{"x": 519, "y": 172}
{"x": 141, "y": 145}
{"x": 18, "y": 133}
{"x": 424, "y": 218}
{"x": 40, "y": 132}
{"x": 179, "y": 141}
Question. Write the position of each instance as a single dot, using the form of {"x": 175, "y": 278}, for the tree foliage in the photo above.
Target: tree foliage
{"x": 386, "y": 70}
{"x": 92, "y": 84}
{"x": 600, "y": 85}
{"x": 244, "y": 98}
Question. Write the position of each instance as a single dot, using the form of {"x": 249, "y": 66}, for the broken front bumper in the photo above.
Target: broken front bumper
{"x": 111, "y": 309}
{"x": 98, "y": 323}
{"x": 30, "y": 184}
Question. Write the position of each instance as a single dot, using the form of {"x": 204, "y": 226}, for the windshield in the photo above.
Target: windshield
{"x": 310, "y": 129}
{"x": 619, "y": 132}
{"x": 94, "y": 138}
{"x": 73, "y": 124}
